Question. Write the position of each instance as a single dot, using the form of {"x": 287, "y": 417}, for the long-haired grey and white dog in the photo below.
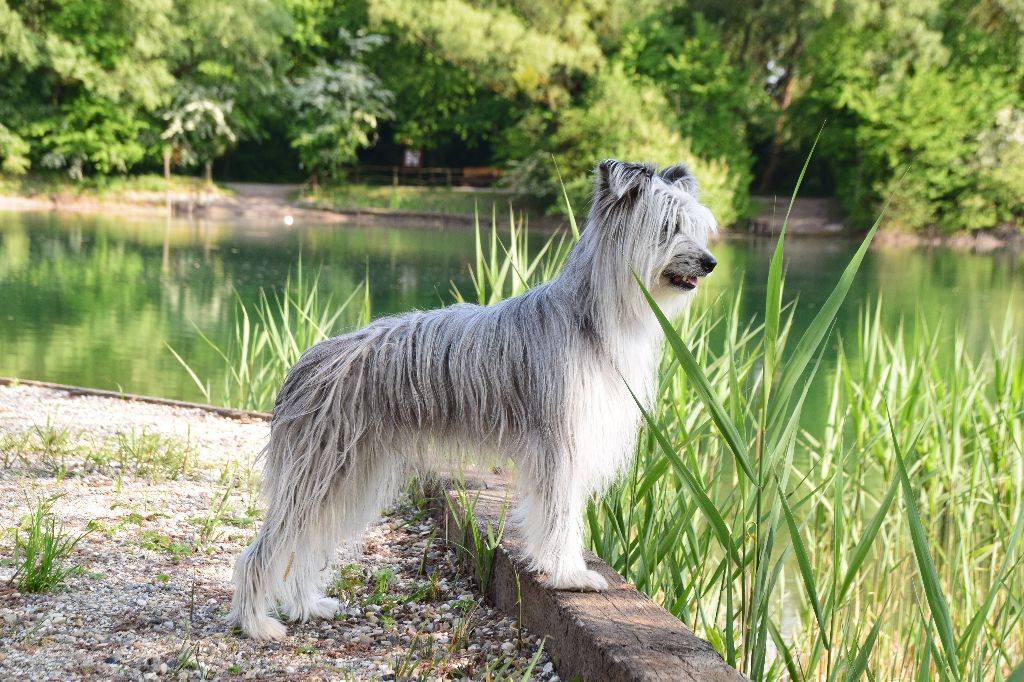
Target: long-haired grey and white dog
{"x": 543, "y": 378}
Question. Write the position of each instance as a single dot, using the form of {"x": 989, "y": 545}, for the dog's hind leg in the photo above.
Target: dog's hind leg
{"x": 302, "y": 594}
{"x": 257, "y": 571}
{"x": 285, "y": 560}
{"x": 368, "y": 484}
{"x": 550, "y": 521}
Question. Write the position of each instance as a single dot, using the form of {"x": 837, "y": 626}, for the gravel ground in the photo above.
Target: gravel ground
{"x": 166, "y": 499}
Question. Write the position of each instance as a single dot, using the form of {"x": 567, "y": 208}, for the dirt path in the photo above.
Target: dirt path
{"x": 166, "y": 499}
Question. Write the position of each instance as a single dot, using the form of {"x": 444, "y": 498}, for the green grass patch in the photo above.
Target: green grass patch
{"x": 42, "y": 549}
{"x": 100, "y": 187}
{"x": 146, "y": 454}
{"x": 156, "y": 541}
{"x": 416, "y": 199}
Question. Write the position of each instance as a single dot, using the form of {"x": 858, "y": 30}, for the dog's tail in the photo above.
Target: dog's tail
{"x": 324, "y": 480}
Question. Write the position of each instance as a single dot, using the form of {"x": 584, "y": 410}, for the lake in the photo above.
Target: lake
{"x": 96, "y": 300}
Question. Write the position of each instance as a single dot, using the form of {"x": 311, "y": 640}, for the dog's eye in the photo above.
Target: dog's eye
{"x": 666, "y": 232}
{"x": 669, "y": 230}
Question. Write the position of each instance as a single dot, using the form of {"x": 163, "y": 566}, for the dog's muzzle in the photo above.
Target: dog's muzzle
{"x": 686, "y": 277}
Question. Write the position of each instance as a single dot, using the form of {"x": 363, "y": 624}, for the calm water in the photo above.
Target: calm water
{"x": 96, "y": 300}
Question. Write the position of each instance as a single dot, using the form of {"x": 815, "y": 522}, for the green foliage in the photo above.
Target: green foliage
{"x": 13, "y": 152}
{"x": 337, "y": 108}
{"x": 998, "y": 166}
{"x": 923, "y": 87}
{"x": 482, "y": 543}
{"x": 621, "y": 117}
{"x": 86, "y": 83}
{"x": 516, "y": 52}
{"x": 710, "y": 97}
{"x": 197, "y": 128}
{"x": 150, "y": 454}
{"x": 41, "y": 549}
{"x": 89, "y": 133}
{"x": 156, "y": 541}
{"x": 734, "y": 88}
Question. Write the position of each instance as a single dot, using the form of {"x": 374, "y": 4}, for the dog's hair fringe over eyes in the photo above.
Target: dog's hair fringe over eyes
{"x": 540, "y": 378}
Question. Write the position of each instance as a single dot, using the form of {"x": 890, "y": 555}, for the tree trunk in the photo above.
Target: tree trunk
{"x": 167, "y": 178}
{"x": 207, "y": 185}
{"x": 780, "y": 123}
{"x": 790, "y": 59}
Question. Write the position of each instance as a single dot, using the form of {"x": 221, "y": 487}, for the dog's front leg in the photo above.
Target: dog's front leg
{"x": 550, "y": 521}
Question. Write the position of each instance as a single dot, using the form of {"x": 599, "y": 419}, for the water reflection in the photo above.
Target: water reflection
{"x": 94, "y": 300}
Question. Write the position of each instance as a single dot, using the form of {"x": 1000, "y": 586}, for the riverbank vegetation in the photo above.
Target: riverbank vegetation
{"x": 878, "y": 531}
{"x": 100, "y": 187}
{"x": 287, "y": 89}
{"x": 413, "y": 199}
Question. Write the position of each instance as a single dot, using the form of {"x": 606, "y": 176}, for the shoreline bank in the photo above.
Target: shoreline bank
{"x": 260, "y": 208}
{"x": 277, "y": 208}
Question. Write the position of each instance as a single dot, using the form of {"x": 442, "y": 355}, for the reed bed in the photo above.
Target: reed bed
{"x": 882, "y": 540}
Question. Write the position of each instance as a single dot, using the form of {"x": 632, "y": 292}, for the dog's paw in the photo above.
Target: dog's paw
{"x": 322, "y": 607}
{"x": 265, "y": 628}
{"x": 582, "y": 581}
{"x": 325, "y": 607}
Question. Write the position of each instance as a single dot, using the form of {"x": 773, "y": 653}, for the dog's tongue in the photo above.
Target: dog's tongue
{"x": 692, "y": 281}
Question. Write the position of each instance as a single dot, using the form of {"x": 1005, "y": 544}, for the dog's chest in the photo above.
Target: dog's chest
{"x": 608, "y": 417}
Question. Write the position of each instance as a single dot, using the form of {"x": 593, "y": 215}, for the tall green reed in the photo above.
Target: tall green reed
{"x": 783, "y": 545}
{"x": 824, "y": 572}
{"x": 270, "y": 336}
{"x": 503, "y": 268}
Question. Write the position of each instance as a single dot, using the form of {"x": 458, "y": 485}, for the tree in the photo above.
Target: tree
{"x": 13, "y": 152}
{"x": 337, "y": 108}
{"x": 903, "y": 90}
{"x": 80, "y": 79}
{"x": 712, "y": 101}
{"x": 197, "y": 132}
{"x": 624, "y": 117}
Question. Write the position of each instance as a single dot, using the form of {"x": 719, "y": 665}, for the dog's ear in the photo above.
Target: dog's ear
{"x": 617, "y": 180}
{"x": 680, "y": 176}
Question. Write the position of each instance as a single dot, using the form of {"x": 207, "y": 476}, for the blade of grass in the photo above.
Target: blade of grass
{"x": 804, "y": 564}
{"x": 819, "y": 327}
{"x": 702, "y": 386}
{"x": 926, "y": 566}
{"x": 860, "y": 664}
{"x": 773, "y": 299}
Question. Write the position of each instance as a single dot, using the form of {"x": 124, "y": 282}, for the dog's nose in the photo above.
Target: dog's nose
{"x": 708, "y": 262}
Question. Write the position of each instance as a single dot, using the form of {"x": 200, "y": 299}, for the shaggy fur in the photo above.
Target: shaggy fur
{"x": 541, "y": 378}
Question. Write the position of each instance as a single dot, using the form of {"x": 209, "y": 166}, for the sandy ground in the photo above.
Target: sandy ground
{"x": 166, "y": 498}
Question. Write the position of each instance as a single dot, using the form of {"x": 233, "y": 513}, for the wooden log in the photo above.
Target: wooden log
{"x": 619, "y": 635}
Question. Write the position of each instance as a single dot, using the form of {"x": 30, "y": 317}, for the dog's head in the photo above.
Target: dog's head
{"x": 655, "y": 219}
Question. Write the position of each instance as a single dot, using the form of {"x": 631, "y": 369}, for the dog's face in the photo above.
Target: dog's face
{"x": 657, "y": 221}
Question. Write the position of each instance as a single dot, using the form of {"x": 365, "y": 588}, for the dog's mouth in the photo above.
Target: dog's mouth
{"x": 681, "y": 281}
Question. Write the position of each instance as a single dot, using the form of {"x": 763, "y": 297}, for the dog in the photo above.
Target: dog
{"x": 546, "y": 378}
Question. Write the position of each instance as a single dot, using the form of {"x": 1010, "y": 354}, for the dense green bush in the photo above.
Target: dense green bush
{"x": 622, "y": 117}
{"x": 920, "y": 102}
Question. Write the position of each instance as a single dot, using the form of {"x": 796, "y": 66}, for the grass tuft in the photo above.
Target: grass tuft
{"x": 42, "y": 549}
